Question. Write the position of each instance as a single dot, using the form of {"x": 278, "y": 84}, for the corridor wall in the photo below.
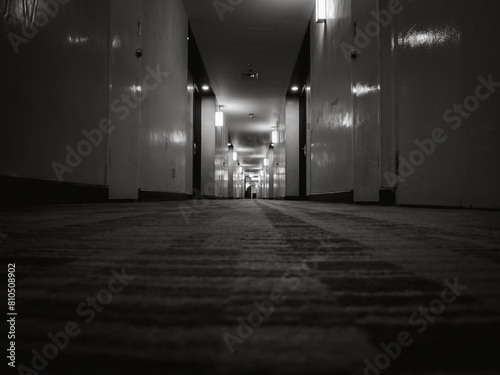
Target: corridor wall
{"x": 214, "y": 152}
{"x": 165, "y": 139}
{"x": 54, "y": 89}
{"x": 331, "y": 133}
{"x": 83, "y": 106}
{"x": 403, "y": 98}
{"x": 448, "y": 120}
{"x": 292, "y": 147}
{"x": 279, "y": 156}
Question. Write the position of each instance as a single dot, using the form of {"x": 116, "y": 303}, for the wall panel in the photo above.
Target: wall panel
{"x": 54, "y": 88}
{"x": 331, "y": 132}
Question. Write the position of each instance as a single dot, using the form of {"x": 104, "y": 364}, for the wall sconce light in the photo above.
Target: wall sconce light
{"x": 235, "y": 156}
{"x": 266, "y": 162}
{"x": 240, "y": 170}
{"x": 219, "y": 118}
{"x": 274, "y": 136}
{"x": 320, "y": 11}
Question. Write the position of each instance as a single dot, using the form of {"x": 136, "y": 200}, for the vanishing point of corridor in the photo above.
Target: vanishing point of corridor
{"x": 256, "y": 287}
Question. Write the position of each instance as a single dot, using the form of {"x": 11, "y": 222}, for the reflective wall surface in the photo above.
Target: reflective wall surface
{"x": 331, "y": 133}
{"x": 292, "y": 146}
{"x": 165, "y": 136}
{"x": 95, "y": 91}
{"x": 403, "y": 98}
{"x": 445, "y": 50}
{"x": 54, "y": 91}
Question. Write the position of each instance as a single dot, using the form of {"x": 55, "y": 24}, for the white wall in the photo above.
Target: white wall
{"x": 208, "y": 139}
{"x": 279, "y": 159}
{"x": 74, "y": 74}
{"x": 214, "y": 152}
{"x": 434, "y": 74}
{"x": 165, "y": 134}
{"x": 331, "y": 133}
{"x": 370, "y": 116}
{"x": 292, "y": 146}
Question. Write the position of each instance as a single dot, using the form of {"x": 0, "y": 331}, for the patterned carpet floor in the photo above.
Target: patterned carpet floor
{"x": 253, "y": 287}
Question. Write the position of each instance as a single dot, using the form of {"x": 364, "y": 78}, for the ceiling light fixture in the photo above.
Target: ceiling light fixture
{"x": 295, "y": 88}
{"x": 320, "y": 11}
{"x": 205, "y": 87}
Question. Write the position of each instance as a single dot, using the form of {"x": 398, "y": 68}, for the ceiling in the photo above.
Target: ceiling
{"x": 264, "y": 33}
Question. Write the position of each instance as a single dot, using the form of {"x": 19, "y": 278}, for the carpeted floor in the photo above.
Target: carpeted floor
{"x": 253, "y": 287}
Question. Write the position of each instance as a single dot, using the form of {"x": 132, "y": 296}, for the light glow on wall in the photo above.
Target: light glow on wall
{"x": 274, "y": 136}
{"x": 431, "y": 38}
{"x": 361, "y": 90}
{"x": 219, "y": 119}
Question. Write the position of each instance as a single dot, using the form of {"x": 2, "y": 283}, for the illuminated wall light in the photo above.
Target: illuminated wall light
{"x": 235, "y": 156}
{"x": 219, "y": 118}
{"x": 295, "y": 88}
{"x": 205, "y": 87}
{"x": 320, "y": 11}
{"x": 274, "y": 136}
{"x": 266, "y": 162}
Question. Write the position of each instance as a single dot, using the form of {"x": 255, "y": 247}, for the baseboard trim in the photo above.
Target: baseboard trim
{"x": 19, "y": 191}
{"x": 338, "y": 197}
{"x": 161, "y": 196}
{"x": 294, "y": 198}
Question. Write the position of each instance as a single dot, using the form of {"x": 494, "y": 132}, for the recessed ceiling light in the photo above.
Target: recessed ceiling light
{"x": 205, "y": 87}
{"x": 295, "y": 88}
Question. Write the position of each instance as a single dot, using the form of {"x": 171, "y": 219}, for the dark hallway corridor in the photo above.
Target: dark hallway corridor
{"x": 133, "y": 134}
{"x": 319, "y": 287}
